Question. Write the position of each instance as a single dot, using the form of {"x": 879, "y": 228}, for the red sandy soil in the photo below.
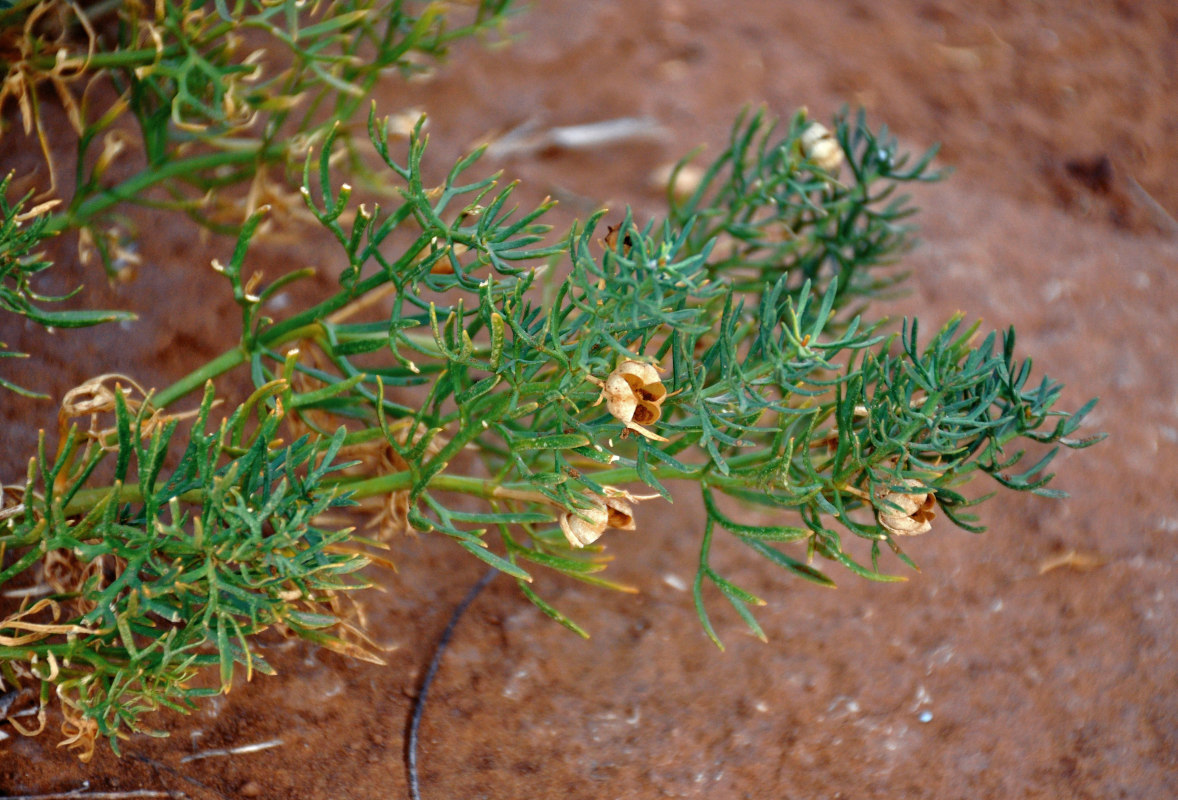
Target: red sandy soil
{"x": 989, "y": 674}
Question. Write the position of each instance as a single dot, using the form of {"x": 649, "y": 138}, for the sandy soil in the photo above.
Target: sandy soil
{"x": 985, "y": 675}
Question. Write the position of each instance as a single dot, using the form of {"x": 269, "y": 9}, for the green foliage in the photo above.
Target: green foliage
{"x": 166, "y": 570}
{"x": 775, "y": 214}
{"x": 723, "y": 345}
{"x": 218, "y": 94}
{"x": 22, "y": 231}
{"x": 771, "y": 402}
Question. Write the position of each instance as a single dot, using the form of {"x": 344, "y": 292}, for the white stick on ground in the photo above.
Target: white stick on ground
{"x": 527, "y": 139}
{"x": 230, "y": 751}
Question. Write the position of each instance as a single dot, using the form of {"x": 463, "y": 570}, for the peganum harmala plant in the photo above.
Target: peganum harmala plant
{"x": 469, "y": 378}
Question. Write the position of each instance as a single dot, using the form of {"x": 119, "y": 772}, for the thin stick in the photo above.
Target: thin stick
{"x": 423, "y": 692}
{"x": 1161, "y": 216}
{"x": 29, "y": 591}
{"x": 526, "y": 139}
{"x": 232, "y": 751}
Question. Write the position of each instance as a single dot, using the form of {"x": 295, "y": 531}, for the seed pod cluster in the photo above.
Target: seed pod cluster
{"x": 906, "y": 513}
{"x": 634, "y": 395}
{"x": 820, "y": 146}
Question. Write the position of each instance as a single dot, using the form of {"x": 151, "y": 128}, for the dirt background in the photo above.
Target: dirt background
{"x": 981, "y": 677}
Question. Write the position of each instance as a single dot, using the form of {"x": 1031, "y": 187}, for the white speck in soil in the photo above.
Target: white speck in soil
{"x": 512, "y": 690}
{"x": 923, "y": 698}
{"x": 925, "y": 716}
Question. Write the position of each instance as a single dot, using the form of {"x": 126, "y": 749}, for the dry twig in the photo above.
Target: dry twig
{"x": 525, "y": 139}
{"x": 233, "y": 751}
{"x": 1072, "y": 559}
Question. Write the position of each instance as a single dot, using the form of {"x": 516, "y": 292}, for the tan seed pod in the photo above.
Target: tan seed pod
{"x": 821, "y": 147}
{"x": 652, "y": 393}
{"x": 585, "y": 525}
{"x": 643, "y": 380}
{"x": 646, "y": 413}
{"x": 621, "y": 513}
{"x": 687, "y": 180}
{"x": 619, "y": 396}
{"x": 633, "y": 394}
{"x": 906, "y": 513}
{"x": 610, "y": 240}
{"x": 637, "y": 373}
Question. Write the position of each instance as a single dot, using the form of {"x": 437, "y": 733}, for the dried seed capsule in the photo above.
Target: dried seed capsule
{"x": 637, "y": 373}
{"x": 906, "y": 513}
{"x": 821, "y": 147}
{"x": 620, "y": 400}
{"x": 643, "y": 380}
{"x": 621, "y": 513}
{"x": 633, "y": 394}
{"x": 687, "y": 180}
{"x": 585, "y": 525}
{"x": 610, "y": 240}
{"x": 646, "y": 413}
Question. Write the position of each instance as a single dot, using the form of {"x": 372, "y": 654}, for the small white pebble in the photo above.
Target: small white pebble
{"x": 675, "y": 582}
{"x": 925, "y": 716}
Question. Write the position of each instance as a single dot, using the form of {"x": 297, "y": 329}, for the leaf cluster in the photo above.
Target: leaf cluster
{"x": 770, "y": 211}
{"x": 22, "y": 231}
{"x": 169, "y": 569}
{"x": 202, "y": 107}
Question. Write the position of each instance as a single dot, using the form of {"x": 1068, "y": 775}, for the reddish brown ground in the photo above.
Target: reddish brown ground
{"x": 1061, "y": 684}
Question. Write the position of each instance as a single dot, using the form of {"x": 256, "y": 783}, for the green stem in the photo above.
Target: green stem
{"x": 223, "y": 363}
{"x": 194, "y": 380}
{"x": 132, "y": 188}
{"x": 114, "y": 59}
{"x": 487, "y": 488}
{"x": 85, "y": 499}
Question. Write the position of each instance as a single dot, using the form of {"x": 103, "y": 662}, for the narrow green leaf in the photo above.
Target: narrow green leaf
{"x": 498, "y": 562}
{"x": 551, "y": 611}
{"x": 556, "y": 441}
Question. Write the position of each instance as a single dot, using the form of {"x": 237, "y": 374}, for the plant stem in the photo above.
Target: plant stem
{"x": 81, "y": 213}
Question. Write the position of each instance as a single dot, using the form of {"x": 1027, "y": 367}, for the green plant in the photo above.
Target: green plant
{"x": 177, "y": 105}
{"x": 723, "y": 346}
